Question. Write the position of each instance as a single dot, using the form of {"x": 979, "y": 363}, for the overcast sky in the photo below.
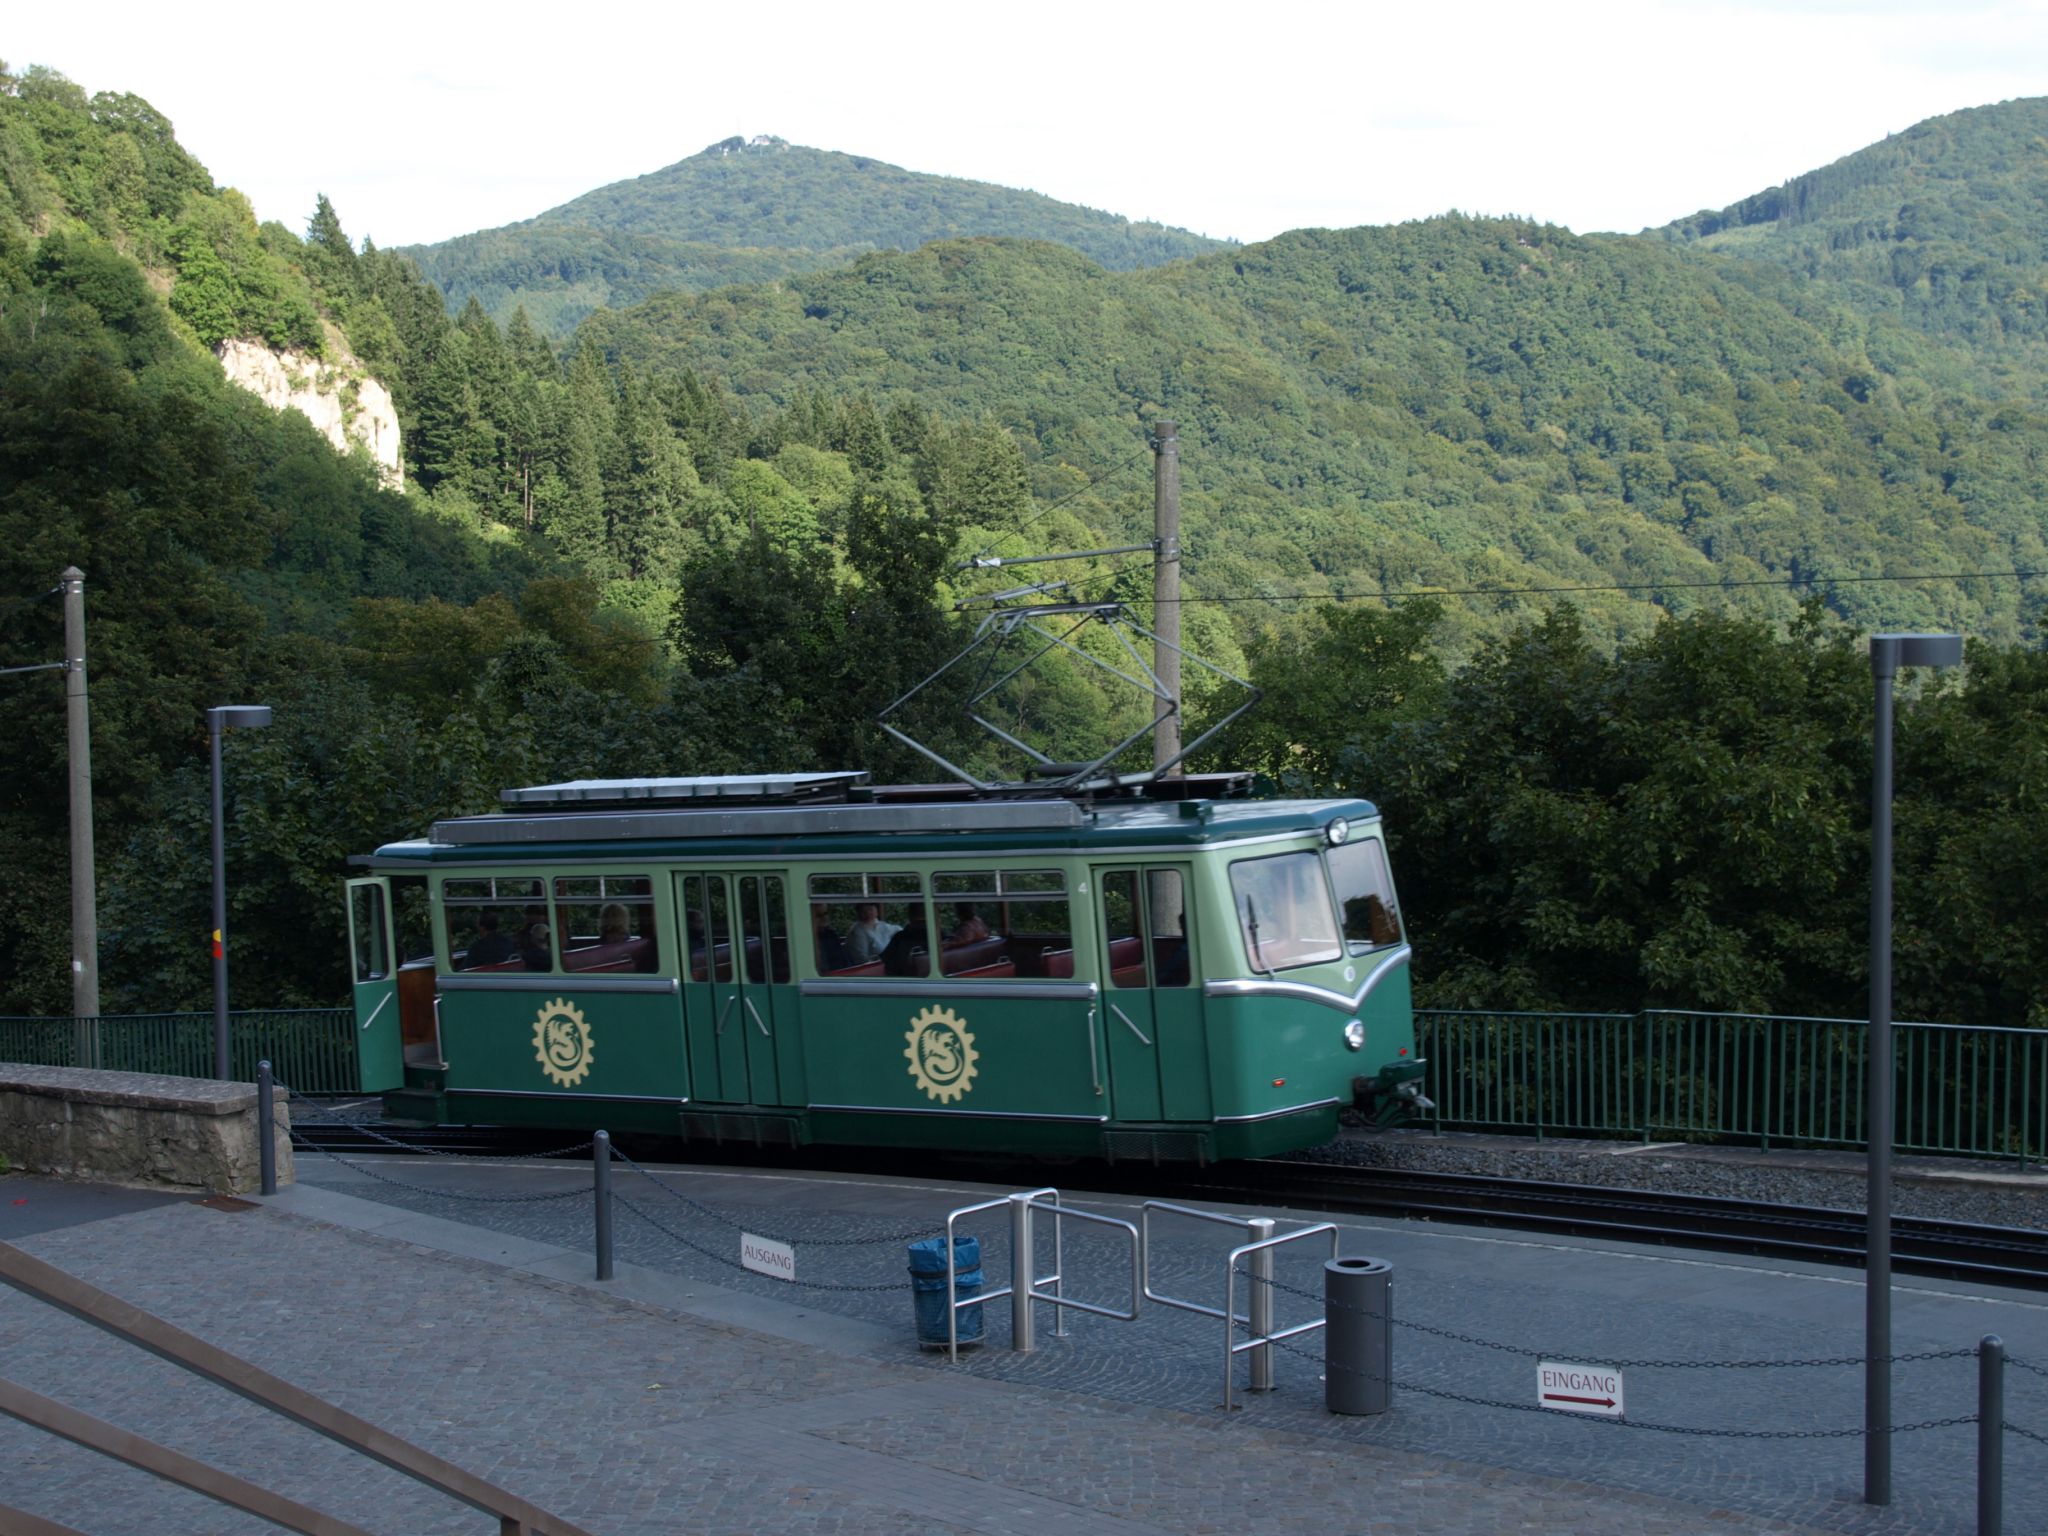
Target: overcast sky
{"x": 423, "y": 122}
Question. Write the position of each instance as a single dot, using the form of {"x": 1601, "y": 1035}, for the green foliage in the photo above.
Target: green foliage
{"x": 1349, "y": 674}
{"x": 1457, "y": 404}
{"x": 1940, "y": 229}
{"x": 755, "y": 213}
{"x": 724, "y": 530}
{"x": 230, "y": 285}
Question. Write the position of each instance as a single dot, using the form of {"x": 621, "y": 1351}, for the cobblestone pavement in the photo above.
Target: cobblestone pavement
{"x": 1789, "y": 1459}
{"x": 650, "y": 1416}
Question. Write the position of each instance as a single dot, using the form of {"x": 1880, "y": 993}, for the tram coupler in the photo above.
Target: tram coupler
{"x": 1393, "y": 1094}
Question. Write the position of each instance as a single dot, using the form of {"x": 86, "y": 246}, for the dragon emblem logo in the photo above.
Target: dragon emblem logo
{"x": 941, "y": 1054}
{"x": 561, "y": 1042}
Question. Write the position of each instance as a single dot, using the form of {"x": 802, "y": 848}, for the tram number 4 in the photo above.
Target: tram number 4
{"x": 765, "y": 1256}
{"x": 1579, "y": 1388}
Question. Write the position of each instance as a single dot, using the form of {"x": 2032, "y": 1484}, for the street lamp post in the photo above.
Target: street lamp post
{"x": 1888, "y": 653}
{"x": 222, "y": 718}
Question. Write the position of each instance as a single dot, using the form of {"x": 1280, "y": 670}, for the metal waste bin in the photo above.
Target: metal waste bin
{"x": 1358, "y": 1335}
{"x": 928, "y": 1289}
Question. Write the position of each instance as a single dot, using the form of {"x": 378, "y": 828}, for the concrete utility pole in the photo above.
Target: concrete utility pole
{"x": 85, "y": 932}
{"x": 1166, "y": 585}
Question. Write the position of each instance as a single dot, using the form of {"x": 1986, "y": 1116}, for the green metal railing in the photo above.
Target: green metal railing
{"x": 311, "y": 1050}
{"x": 1979, "y": 1092}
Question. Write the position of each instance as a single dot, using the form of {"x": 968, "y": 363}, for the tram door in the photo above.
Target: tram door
{"x": 380, "y": 1058}
{"x": 1158, "y": 1062}
{"x": 738, "y": 1000}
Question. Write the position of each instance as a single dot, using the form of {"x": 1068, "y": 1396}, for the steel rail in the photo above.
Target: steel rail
{"x": 1921, "y": 1245}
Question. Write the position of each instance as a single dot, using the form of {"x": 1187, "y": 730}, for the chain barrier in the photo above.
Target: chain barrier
{"x": 1625, "y": 1422}
{"x": 2028, "y": 1434}
{"x": 810, "y": 1242}
{"x": 299, "y": 1143}
{"x": 486, "y": 1157}
{"x": 363, "y": 1128}
{"x": 695, "y": 1247}
{"x": 1639, "y": 1365}
{"x": 2027, "y": 1365}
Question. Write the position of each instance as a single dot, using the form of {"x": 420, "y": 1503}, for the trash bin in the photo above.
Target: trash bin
{"x": 928, "y": 1289}
{"x": 1358, "y": 1335}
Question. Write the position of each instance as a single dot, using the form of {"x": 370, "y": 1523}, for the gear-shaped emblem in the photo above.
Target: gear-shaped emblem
{"x": 561, "y": 1042}
{"x": 941, "y": 1054}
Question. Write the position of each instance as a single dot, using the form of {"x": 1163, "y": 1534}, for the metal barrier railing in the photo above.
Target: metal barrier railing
{"x": 46, "y": 1283}
{"x": 313, "y": 1049}
{"x": 1023, "y": 1208}
{"x": 1258, "y": 1316}
{"x": 1965, "y": 1090}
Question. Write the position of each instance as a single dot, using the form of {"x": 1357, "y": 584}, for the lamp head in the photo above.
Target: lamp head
{"x": 1890, "y": 652}
{"x": 245, "y": 716}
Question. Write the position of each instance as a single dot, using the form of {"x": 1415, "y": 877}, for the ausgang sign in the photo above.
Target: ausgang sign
{"x": 1579, "y": 1388}
{"x": 765, "y": 1256}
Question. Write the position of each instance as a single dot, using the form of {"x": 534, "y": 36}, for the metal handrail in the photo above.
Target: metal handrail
{"x": 1263, "y": 1336}
{"x": 1024, "y": 1266}
{"x": 1968, "y": 1090}
{"x": 1259, "y": 1311}
{"x": 1059, "y": 1212}
{"x": 953, "y": 1301}
{"x": 45, "y": 1282}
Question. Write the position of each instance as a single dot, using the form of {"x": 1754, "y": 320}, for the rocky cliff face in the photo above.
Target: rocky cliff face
{"x": 344, "y": 402}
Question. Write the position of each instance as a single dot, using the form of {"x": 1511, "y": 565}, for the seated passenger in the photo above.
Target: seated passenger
{"x": 968, "y": 928}
{"x": 491, "y": 945}
{"x": 869, "y": 935}
{"x": 535, "y": 949}
{"x": 612, "y": 927}
{"x": 834, "y": 954}
{"x": 1173, "y": 969}
{"x": 900, "y": 958}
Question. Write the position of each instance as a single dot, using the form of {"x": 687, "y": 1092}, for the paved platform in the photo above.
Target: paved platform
{"x": 454, "y": 1304}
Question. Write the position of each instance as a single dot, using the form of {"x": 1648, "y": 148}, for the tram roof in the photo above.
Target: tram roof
{"x": 801, "y": 816}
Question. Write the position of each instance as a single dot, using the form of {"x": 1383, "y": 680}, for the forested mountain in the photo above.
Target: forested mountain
{"x": 720, "y": 529}
{"x": 1943, "y": 227}
{"x": 751, "y": 211}
{"x": 1458, "y": 403}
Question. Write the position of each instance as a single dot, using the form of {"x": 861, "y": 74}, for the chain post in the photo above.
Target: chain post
{"x": 266, "y": 1127}
{"x": 601, "y": 1188}
{"x": 1990, "y": 1435}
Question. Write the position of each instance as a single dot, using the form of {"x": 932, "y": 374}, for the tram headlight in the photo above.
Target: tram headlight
{"x": 1337, "y": 831}
{"x": 1354, "y": 1034}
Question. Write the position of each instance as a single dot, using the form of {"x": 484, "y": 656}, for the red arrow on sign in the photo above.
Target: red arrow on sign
{"x": 1596, "y": 1402}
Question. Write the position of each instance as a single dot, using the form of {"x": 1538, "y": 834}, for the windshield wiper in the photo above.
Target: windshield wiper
{"x": 1251, "y": 928}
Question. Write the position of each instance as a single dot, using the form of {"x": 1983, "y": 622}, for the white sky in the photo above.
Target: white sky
{"x": 424, "y": 121}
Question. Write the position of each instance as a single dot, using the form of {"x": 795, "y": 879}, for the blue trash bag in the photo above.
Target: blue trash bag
{"x": 928, "y": 1288}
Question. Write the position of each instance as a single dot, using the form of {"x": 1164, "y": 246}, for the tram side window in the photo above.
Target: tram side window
{"x": 498, "y": 924}
{"x": 869, "y": 925}
{"x": 1283, "y": 908}
{"x": 1365, "y": 895}
{"x": 1001, "y": 923}
{"x": 607, "y": 923}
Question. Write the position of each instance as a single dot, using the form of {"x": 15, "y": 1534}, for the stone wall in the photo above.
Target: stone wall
{"x": 132, "y": 1128}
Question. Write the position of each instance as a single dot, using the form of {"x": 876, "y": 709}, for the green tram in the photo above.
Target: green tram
{"x": 1173, "y": 973}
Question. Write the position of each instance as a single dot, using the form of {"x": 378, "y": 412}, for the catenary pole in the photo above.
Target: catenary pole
{"x": 85, "y": 944}
{"x": 1166, "y": 585}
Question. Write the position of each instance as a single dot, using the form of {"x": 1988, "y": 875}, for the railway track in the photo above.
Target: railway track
{"x": 1953, "y": 1250}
